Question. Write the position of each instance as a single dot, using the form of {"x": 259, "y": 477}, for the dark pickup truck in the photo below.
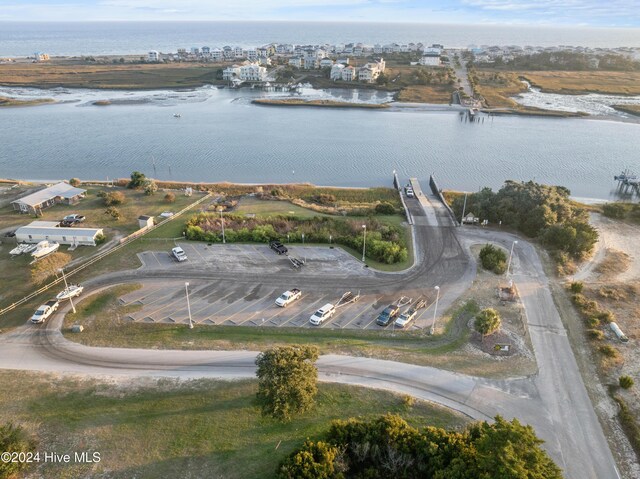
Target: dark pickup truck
{"x": 278, "y": 247}
{"x": 387, "y": 315}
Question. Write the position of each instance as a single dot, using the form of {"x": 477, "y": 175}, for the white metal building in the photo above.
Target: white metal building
{"x": 45, "y": 230}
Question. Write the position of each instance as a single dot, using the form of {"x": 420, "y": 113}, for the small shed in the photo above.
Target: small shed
{"x": 470, "y": 219}
{"x": 145, "y": 221}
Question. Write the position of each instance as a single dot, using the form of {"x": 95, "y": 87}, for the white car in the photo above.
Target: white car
{"x": 44, "y": 311}
{"x": 409, "y": 192}
{"x": 322, "y": 314}
{"x": 179, "y": 254}
{"x": 405, "y": 318}
{"x": 288, "y": 297}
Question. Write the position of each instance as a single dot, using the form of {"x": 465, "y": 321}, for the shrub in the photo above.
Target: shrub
{"x": 577, "y": 287}
{"x": 385, "y": 209}
{"x": 614, "y": 210}
{"x": 74, "y": 182}
{"x": 609, "y": 351}
{"x": 595, "y": 334}
{"x": 14, "y": 439}
{"x": 114, "y": 198}
{"x": 150, "y": 187}
{"x": 113, "y": 212}
{"x": 314, "y": 460}
{"x": 170, "y": 197}
{"x": 626, "y": 382}
{"x": 100, "y": 238}
{"x": 487, "y": 321}
{"x": 493, "y": 259}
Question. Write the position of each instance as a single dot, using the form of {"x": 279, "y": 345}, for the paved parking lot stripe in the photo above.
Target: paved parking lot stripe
{"x": 255, "y": 248}
{"x": 157, "y": 260}
{"x": 250, "y": 303}
{"x": 364, "y": 310}
{"x": 170, "y": 303}
{"x": 306, "y": 311}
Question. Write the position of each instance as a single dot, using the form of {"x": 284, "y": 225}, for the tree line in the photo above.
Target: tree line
{"x": 539, "y": 211}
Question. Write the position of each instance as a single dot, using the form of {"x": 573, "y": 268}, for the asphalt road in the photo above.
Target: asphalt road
{"x": 554, "y": 401}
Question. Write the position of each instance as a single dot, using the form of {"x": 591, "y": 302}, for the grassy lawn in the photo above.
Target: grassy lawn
{"x": 16, "y": 282}
{"x": 164, "y": 428}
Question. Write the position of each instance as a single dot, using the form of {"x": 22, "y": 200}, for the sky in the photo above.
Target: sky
{"x": 597, "y": 13}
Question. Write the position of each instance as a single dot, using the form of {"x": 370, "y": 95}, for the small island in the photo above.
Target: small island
{"x": 14, "y": 102}
{"x": 630, "y": 109}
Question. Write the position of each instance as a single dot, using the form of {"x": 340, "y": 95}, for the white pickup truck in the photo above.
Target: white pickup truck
{"x": 44, "y": 311}
{"x": 288, "y": 297}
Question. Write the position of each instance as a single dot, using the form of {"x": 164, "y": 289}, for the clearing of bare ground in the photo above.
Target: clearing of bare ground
{"x": 611, "y": 283}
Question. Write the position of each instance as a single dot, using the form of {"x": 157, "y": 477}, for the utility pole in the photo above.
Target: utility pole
{"x": 66, "y": 287}
{"x": 364, "y": 242}
{"x": 464, "y": 207}
{"x": 435, "y": 311}
{"x": 186, "y": 289}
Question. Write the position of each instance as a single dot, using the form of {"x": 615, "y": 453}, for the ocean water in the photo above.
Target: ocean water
{"x": 100, "y": 38}
{"x": 222, "y": 136}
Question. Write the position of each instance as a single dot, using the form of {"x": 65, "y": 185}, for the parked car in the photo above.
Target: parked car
{"x": 288, "y": 297}
{"x": 278, "y": 247}
{"x": 322, "y": 314}
{"x": 405, "y": 318}
{"x": 387, "y": 315}
{"x": 409, "y": 192}
{"x": 71, "y": 220}
{"x": 179, "y": 254}
{"x": 44, "y": 311}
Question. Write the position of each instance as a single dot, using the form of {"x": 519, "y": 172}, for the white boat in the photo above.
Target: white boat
{"x": 177, "y": 115}
{"x": 20, "y": 249}
{"x": 44, "y": 248}
{"x": 71, "y": 292}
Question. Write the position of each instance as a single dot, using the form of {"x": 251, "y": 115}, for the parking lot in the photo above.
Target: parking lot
{"x": 228, "y": 304}
{"x": 259, "y": 259}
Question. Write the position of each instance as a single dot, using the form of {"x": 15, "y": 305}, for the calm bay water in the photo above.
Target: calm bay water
{"x": 101, "y": 38}
{"x": 221, "y": 136}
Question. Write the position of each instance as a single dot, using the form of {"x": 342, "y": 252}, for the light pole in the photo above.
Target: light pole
{"x": 364, "y": 241}
{"x": 330, "y": 238}
{"x": 435, "y": 311}
{"x": 464, "y": 207}
{"x": 288, "y": 238}
{"x": 305, "y": 251}
{"x": 224, "y": 239}
{"x": 510, "y": 256}
{"x": 186, "y": 289}
{"x": 66, "y": 287}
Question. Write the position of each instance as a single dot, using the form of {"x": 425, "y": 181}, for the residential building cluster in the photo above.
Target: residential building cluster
{"x": 491, "y": 53}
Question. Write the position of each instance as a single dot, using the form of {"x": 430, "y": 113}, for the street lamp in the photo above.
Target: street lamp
{"x": 224, "y": 239}
{"x": 186, "y": 289}
{"x": 330, "y": 238}
{"x": 364, "y": 242}
{"x": 435, "y": 311}
{"x": 305, "y": 251}
{"x": 510, "y": 256}
{"x": 66, "y": 287}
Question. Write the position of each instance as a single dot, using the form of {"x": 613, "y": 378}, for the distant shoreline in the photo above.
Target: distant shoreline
{"x": 318, "y": 103}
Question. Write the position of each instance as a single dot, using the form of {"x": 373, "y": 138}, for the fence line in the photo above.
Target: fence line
{"x": 94, "y": 259}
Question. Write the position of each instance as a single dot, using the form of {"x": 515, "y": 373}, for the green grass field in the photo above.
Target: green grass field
{"x": 192, "y": 429}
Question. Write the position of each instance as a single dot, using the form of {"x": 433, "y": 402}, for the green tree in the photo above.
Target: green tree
{"x": 170, "y": 197}
{"x": 487, "y": 321}
{"x": 626, "y": 382}
{"x": 287, "y": 380}
{"x": 510, "y": 450}
{"x": 314, "y": 460}
{"x": 137, "y": 180}
{"x": 14, "y": 439}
